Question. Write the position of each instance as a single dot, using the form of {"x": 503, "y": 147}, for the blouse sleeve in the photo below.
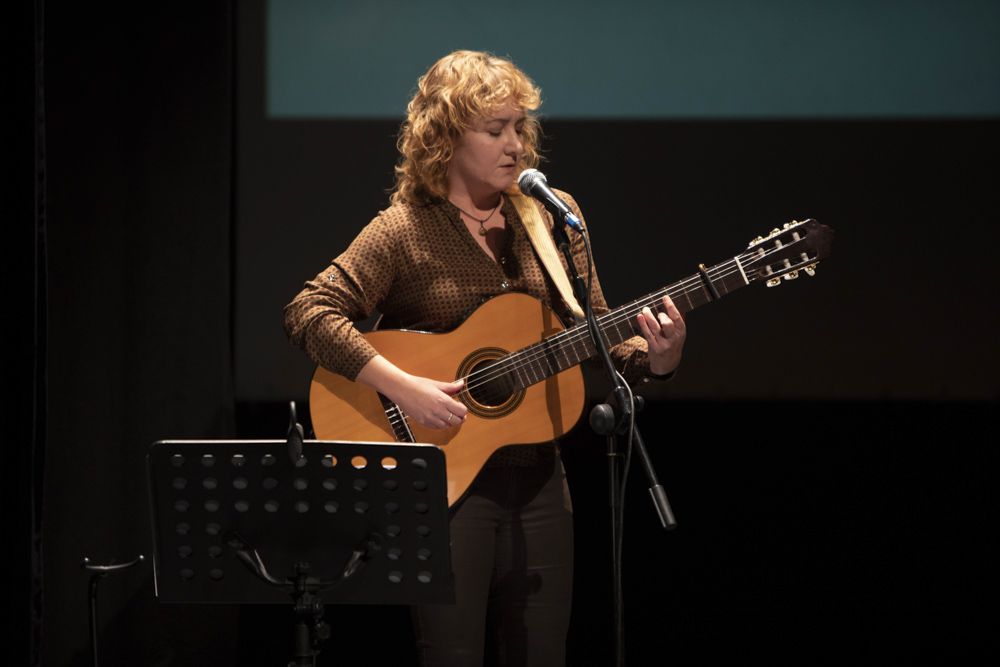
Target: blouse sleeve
{"x": 320, "y": 319}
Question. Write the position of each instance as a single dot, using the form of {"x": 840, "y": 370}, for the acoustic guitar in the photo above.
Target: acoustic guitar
{"x": 523, "y": 383}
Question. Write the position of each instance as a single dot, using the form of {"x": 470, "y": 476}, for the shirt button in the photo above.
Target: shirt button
{"x": 505, "y": 285}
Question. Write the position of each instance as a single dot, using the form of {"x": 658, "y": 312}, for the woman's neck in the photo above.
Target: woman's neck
{"x": 478, "y": 202}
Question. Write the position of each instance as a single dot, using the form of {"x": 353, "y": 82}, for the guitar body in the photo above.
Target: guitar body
{"x": 345, "y": 410}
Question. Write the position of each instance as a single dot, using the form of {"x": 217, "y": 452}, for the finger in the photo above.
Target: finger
{"x": 675, "y": 315}
{"x": 644, "y": 326}
{"x": 448, "y": 419}
{"x": 451, "y": 388}
{"x": 453, "y": 406}
{"x": 653, "y": 341}
{"x": 666, "y": 324}
{"x": 651, "y": 321}
{"x": 453, "y": 419}
{"x": 459, "y": 410}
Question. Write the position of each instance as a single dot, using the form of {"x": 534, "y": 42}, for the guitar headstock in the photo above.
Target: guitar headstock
{"x": 798, "y": 246}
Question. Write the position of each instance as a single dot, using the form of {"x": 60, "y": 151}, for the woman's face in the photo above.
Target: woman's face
{"x": 486, "y": 156}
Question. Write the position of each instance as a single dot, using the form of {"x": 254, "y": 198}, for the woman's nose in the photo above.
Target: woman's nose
{"x": 514, "y": 145}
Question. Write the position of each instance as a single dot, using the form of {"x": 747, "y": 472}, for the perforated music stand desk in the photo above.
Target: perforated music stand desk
{"x": 320, "y": 511}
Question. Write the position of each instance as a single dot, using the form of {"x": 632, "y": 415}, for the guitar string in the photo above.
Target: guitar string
{"x": 567, "y": 339}
{"x": 525, "y": 358}
{"x": 517, "y": 361}
{"x": 560, "y": 343}
{"x": 691, "y": 284}
{"x": 521, "y": 359}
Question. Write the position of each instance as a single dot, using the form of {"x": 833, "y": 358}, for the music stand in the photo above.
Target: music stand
{"x": 236, "y": 521}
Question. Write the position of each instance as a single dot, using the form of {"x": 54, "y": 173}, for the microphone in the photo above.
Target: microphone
{"x": 533, "y": 183}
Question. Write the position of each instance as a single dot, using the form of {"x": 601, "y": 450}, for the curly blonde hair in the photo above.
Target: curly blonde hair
{"x": 458, "y": 90}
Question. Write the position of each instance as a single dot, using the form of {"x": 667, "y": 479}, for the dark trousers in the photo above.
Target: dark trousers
{"x": 512, "y": 555}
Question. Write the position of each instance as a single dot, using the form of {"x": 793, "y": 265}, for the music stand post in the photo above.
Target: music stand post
{"x": 236, "y": 521}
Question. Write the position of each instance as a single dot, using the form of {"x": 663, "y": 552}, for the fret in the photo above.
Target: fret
{"x": 522, "y": 380}
{"x": 533, "y": 371}
{"x": 561, "y": 346}
{"x": 614, "y": 333}
{"x": 547, "y": 358}
{"x": 543, "y": 363}
{"x": 633, "y": 328}
{"x": 610, "y": 331}
{"x": 582, "y": 345}
{"x": 504, "y": 377}
{"x": 626, "y": 324}
{"x": 721, "y": 286}
{"x": 552, "y": 354}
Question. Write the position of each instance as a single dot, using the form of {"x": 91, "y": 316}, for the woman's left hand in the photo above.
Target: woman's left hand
{"x": 665, "y": 333}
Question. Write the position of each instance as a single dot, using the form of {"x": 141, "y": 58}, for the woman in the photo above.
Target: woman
{"x": 451, "y": 238}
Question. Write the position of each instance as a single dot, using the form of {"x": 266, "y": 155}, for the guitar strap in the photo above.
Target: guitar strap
{"x": 540, "y": 238}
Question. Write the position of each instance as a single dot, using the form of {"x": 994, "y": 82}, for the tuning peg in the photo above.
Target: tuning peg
{"x": 810, "y": 270}
{"x": 755, "y": 241}
{"x": 792, "y": 275}
{"x": 773, "y": 282}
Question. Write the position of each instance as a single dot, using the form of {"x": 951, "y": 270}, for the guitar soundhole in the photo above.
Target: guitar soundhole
{"x": 490, "y": 391}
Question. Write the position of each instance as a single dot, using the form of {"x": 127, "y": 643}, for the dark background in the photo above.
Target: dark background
{"x": 826, "y": 446}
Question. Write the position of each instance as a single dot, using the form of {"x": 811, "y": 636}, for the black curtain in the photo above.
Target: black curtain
{"x": 139, "y": 128}
{"x": 23, "y": 249}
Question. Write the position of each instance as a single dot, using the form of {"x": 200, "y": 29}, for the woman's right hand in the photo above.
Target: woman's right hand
{"x": 430, "y": 403}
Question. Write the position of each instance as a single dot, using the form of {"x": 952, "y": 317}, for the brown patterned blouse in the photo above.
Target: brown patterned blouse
{"x": 420, "y": 267}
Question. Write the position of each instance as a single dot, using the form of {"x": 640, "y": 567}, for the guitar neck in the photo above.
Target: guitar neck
{"x": 574, "y": 345}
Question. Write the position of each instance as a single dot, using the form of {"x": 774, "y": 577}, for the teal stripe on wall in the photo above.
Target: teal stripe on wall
{"x": 631, "y": 59}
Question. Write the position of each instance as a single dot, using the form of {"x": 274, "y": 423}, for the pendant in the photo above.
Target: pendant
{"x": 482, "y": 230}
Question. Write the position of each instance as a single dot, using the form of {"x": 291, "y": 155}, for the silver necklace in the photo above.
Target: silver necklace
{"x": 482, "y": 223}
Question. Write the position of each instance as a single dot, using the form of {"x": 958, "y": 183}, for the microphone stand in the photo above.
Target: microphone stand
{"x": 604, "y": 422}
